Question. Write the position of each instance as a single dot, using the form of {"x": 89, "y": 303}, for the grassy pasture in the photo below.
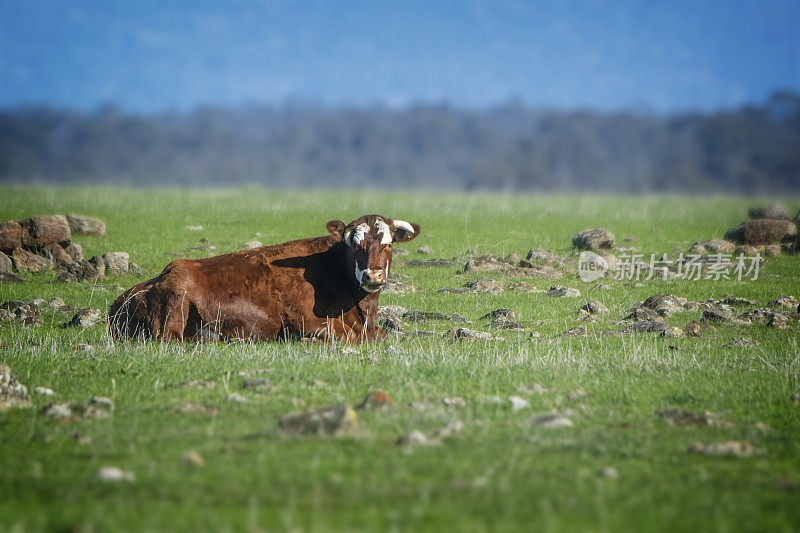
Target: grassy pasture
{"x": 500, "y": 473}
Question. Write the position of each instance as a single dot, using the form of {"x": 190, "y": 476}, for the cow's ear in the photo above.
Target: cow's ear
{"x": 404, "y": 231}
{"x": 335, "y": 228}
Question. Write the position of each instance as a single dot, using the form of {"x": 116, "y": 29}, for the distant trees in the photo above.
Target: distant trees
{"x": 753, "y": 149}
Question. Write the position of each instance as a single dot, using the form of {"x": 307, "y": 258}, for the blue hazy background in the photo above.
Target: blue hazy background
{"x": 155, "y": 55}
{"x": 593, "y": 95}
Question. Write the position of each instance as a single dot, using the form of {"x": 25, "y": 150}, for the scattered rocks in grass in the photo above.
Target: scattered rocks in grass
{"x": 465, "y": 334}
{"x": 759, "y": 315}
{"x": 488, "y": 286}
{"x": 323, "y": 420}
{"x": 784, "y": 301}
{"x": 25, "y": 261}
{"x": 729, "y": 448}
{"x": 594, "y": 307}
{"x": 522, "y": 286}
{"x": 235, "y": 397}
{"x": 423, "y": 316}
{"x": 12, "y": 392}
{"x": 430, "y": 263}
{"x": 741, "y": 342}
{"x": 258, "y": 384}
{"x": 490, "y": 263}
{"x": 59, "y": 411}
{"x": 43, "y": 391}
{"x": 195, "y": 408}
{"x": 551, "y": 421}
{"x": 113, "y": 474}
{"x": 454, "y": 402}
{"x": 192, "y": 459}
{"x": 715, "y": 246}
{"x": 532, "y": 388}
{"x": 25, "y": 313}
{"x": 518, "y": 403}
{"x": 84, "y": 318}
{"x": 772, "y": 250}
{"x": 427, "y": 250}
{"x": 664, "y": 304}
{"x": 579, "y": 331}
{"x": 774, "y": 212}
{"x": 198, "y": 384}
{"x": 593, "y": 239}
{"x": 761, "y": 231}
{"x": 376, "y": 400}
{"x": 608, "y": 472}
{"x": 250, "y": 245}
{"x": 560, "y": 291}
{"x": 86, "y": 225}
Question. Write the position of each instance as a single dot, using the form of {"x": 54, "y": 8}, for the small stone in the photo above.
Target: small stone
{"x": 552, "y": 421}
{"x": 680, "y": 417}
{"x": 449, "y": 429}
{"x": 774, "y": 212}
{"x": 730, "y": 448}
{"x": 84, "y": 318}
{"x": 43, "y": 391}
{"x": 489, "y": 286}
{"x": 693, "y": 329}
{"x": 249, "y": 245}
{"x": 509, "y": 314}
{"x": 716, "y": 314}
{"x": 198, "y": 384}
{"x": 595, "y": 307}
{"x": 522, "y": 286}
{"x": 560, "y": 291}
{"x": 413, "y": 438}
{"x": 258, "y": 384}
{"x": 59, "y": 411}
{"x": 577, "y": 394}
{"x": 427, "y": 250}
{"x": 464, "y": 334}
{"x": 593, "y": 239}
{"x": 56, "y": 303}
{"x": 579, "y": 331}
{"x": 192, "y": 459}
{"x": 236, "y": 398}
{"x": 532, "y": 388}
{"x": 113, "y": 474}
{"x": 102, "y": 401}
{"x": 116, "y": 263}
{"x": 86, "y": 225}
{"x": 741, "y": 342}
{"x": 377, "y": 400}
{"x": 772, "y": 250}
{"x": 518, "y": 403}
{"x": 454, "y": 402}
{"x": 5, "y": 263}
{"x": 608, "y": 472}
{"x": 12, "y": 392}
{"x": 195, "y": 408}
{"x": 324, "y": 420}
{"x": 194, "y": 228}
{"x": 25, "y": 261}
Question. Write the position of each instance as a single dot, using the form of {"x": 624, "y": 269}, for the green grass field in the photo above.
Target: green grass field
{"x": 502, "y": 472}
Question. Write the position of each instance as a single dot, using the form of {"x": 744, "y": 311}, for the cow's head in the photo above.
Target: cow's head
{"x": 369, "y": 243}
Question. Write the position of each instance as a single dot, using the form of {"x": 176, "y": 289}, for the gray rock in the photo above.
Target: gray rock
{"x": 454, "y": 402}
{"x": 593, "y": 239}
{"x": 86, "y": 225}
{"x": 608, "y": 472}
{"x": 716, "y": 246}
{"x": 579, "y": 331}
{"x": 236, "y": 398}
{"x": 113, "y": 474}
{"x": 741, "y": 342}
{"x": 552, "y": 421}
{"x": 423, "y": 316}
{"x": 730, "y": 448}
{"x": 784, "y": 301}
{"x": 12, "y": 392}
{"x": 59, "y": 411}
{"x": 394, "y": 286}
{"x": 746, "y": 250}
{"x": 664, "y": 304}
{"x": 518, "y": 403}
{"x": 761, "y": 231}
{"x": 775, "y": 212}
{"x": 81, "y": 270}
{"x": 560, "y": 291}
{"x": 490, "y": 263}
{"x": 522, "y": 286}
{"x": 594, "y": 307}
{"x": 84, "y": 318}
{"x": 75, "y": 251}
{"x": 324, "y": 420}
{"x": 5, "y": 263}
{"x": 43, "y": 391}
{"x": 34, "y": 232}
{"x": 25, "y": 313}
{"x": 772, "y": 250}
{"x": 102, "y": 401}
{"x": 538, "y": 256}
{"x": 430, "y": 263}
{"x": 249, "y": 245}
{"x": 532, "y": 388}
{"x": 464, "y": 334}
{"x": 509, "y": 314}
{"x": 717, "y": 314}
{"x": 198, "y": 384}
{"x": 646, "y": 326}
{"x": 414, "y": 438}
{"x": 427, "y": 250}
{"x": 116, "y": 262}
{"x": 258, "y": 384}
{"x": 489, "y": 286}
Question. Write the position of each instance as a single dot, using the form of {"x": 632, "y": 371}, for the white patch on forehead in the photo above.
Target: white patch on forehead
{"x": 359, "y": 233}
{"x": 384, "y": 232}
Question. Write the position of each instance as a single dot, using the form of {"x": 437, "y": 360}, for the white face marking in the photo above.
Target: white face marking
{"x": 359, "y": 233}
{"x": 384, "y": 232}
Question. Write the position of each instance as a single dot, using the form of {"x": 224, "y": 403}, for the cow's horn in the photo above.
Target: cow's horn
{"x": 404, "y": 225}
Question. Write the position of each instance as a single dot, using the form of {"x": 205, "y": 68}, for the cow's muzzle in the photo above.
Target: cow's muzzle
{"x": 371, "y": 279}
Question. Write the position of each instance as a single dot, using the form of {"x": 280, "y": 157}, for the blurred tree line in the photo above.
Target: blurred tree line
{"x": 752, "y": 149}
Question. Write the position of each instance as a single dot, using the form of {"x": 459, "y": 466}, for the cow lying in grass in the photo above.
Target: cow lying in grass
{"x": 323, "y": 288}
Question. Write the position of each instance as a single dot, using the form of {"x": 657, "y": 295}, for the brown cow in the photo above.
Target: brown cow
{"x": 323, "y": 287}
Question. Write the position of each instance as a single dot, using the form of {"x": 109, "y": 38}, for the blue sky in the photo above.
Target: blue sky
{"x": 662, "y": 55}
